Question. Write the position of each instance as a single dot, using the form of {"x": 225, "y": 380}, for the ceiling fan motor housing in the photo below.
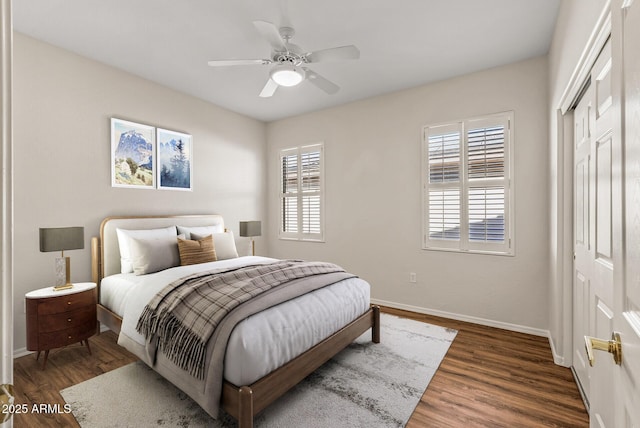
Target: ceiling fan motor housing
{"x": 286, "y": 33}
{"x": 293, "y": 55}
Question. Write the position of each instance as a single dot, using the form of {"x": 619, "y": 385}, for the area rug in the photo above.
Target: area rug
{"x": 365, "y": 385}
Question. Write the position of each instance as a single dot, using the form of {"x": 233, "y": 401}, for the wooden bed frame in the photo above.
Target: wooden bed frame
{"x": 246, "y": 401}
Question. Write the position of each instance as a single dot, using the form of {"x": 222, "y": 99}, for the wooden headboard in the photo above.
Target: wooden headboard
{"x": 105, "y": 252}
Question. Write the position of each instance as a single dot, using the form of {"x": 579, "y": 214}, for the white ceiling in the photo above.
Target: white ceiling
{"x": 403, "y": 43}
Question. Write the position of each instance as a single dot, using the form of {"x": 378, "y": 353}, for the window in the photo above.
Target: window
{"x": 467, "y": 185}
{"x": 301, "y": 193}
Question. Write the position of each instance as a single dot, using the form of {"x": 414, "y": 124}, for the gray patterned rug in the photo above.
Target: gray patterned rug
{"x": 366, "y": 385}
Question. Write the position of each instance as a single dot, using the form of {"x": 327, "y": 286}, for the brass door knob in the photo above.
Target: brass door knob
{"x": 613, "y": 346}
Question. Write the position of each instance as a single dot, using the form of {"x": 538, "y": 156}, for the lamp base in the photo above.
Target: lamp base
{"x": 63, "y": 274}
{"x": 61, "y": 271}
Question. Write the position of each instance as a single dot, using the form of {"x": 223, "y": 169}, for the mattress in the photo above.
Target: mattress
{"x": 262, "y": 342}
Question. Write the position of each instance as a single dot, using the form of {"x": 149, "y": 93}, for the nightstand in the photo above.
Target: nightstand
{"x": 60, "y": 318}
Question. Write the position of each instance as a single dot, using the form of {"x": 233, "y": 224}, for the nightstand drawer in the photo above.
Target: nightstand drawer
{"x": 66, "y": 303}
{"x": 65, "y": 320}
{"x": 66, "y": 337}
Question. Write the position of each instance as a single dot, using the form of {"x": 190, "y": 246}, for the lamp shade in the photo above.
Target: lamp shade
{"x": 250, "y": 228}
{"x": 61, "y": 239}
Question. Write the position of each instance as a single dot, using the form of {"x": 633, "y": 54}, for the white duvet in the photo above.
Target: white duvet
{"x": 262, "y": 342}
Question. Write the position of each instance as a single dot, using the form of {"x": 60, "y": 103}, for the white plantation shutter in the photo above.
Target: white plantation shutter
{"x": 444, "y": 156}
{"x": 444, "y": 214}
{"x": 301, "y": 193}
{"x": 289, "y": 198}
{"x": 443, "y": 150}
{"x": 467, "y": 185}
{"x": 486, "y": 214}
{"x": 311, "y": 214}
{"x": 485, "y": 152}
{"x": 290, "y": 214}
{"x": 311, "y": 179}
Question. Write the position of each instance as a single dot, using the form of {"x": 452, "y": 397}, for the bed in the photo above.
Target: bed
{"x": 272, "y": 347}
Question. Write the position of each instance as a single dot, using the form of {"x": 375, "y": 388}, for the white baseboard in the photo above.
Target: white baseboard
{"x": 21, "y": 352}
{"x": 585, "y": 400}
{"x": 466, "y": 318}
{"x": 557, "y": 358}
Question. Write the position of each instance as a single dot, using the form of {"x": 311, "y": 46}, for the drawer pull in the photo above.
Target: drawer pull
{"x": 69, "y": 319}
{"x": 69, "y": 337}
{"x": 68, "y": 303}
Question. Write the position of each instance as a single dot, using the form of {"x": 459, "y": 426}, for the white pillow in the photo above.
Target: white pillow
{"x": 200, "y": 230}
{"x": 223, "y": 243}
{"x": 154, "y": 254}
{"x": 125, "y": 235}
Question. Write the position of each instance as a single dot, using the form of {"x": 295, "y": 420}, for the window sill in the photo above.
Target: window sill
{"x": 300, "y": 239}
{"x": 510, "y": 253}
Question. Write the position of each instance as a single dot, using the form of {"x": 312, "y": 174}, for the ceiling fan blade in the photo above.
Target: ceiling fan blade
{"x": 228, "y": 62}
{"x": 269, "y": 89}
{"x": 271, "y": 33}
{"x": 334, "y": 54}
{"x": 322, "y": 83}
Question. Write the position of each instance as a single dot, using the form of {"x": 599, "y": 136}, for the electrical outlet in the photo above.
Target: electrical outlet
{"x": 413, "y": 277}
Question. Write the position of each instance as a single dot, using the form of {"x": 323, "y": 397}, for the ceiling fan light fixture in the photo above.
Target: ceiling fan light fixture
{"x": 287, "y": 75}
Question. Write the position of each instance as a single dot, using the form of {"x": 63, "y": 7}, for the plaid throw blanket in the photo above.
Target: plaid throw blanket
{"x": 184, "y": 315}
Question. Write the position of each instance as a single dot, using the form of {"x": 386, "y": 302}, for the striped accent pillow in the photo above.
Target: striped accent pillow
{"x": 196, "y": 251}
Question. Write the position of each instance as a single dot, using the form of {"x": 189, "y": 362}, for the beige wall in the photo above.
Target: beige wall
{"x": 62, "y": 106}
{"x": 373, "y": 196}
{"x": 576, "y": 21}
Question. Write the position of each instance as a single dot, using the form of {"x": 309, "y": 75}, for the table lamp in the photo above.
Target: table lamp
{"x": 250, "y": 229}
{"x": 61, "y": 239}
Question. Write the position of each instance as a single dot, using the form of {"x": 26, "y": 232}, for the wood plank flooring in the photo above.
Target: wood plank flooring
{"x": 489, "y": 378}
{"x": 66, "y": 367}
{"x": 497, "y": 378}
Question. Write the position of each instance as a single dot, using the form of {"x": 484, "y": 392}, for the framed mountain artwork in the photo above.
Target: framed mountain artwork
{"x": 175, "y": 160}
{"x": 133, "y": 153}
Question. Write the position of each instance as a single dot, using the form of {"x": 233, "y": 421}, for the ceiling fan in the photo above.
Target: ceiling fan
{"x": 290, "y": 60}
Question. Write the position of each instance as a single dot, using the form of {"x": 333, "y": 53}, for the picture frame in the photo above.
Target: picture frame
{"x": 175, "y": 160}
{"x": 133, "y": 155}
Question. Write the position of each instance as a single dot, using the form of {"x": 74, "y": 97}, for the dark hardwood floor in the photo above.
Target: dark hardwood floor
{"x": 497, "y": 378}
{"x": 489, "y": 378}
{"x": 66, "y": 367}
